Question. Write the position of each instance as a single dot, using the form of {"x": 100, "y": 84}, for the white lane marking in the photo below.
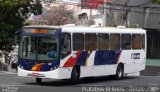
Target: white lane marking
{"x": 4, "y": 85}
{"x": 152, "y": 84}
{"x": 124, "y": 81}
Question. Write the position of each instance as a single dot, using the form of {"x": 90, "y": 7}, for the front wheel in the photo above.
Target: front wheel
{"x": 119, "y": 72}
{"x": 74, "y": 76}
{"x": 38, "y": 80}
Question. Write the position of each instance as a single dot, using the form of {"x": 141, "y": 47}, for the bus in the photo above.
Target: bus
{"x": 59, "y": 52}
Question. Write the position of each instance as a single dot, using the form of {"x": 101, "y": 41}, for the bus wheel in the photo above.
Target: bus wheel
{"x": 38, "y": 80}
{"x": 74, "y": 76}
{"x": 119, "y": 72}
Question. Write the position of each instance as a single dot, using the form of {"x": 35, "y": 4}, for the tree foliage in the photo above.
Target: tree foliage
{"x": 155, "y": 1}
{"x": 58, "y": 15}
{"x": 12, "y": 15}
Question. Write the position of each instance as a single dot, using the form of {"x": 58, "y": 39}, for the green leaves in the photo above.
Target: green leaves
{"x": 155, "y": 1}
{"x": 12, "y": 15}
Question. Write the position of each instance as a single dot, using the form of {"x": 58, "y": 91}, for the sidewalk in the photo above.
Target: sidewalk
{"x": 152, "y": 68}
{"x": 155, "y": 62}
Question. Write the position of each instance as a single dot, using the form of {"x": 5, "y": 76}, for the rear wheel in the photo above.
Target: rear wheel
{"x": 119, "y": 72}
{"x": 74, "y": 76}
{"x": 38, "y": 80}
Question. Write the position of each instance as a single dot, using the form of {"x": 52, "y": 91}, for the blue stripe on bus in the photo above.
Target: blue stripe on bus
{"x": 46, "y": 67}
{"x": 106, "y": 57}
{"x": 28, "y": 64}
{"x": 102, "y": 57}
{"x": 82, "y": 58}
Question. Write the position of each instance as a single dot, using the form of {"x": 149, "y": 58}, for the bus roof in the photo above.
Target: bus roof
{"x": 102, "y": 30}
{"x": 78, "y": 29}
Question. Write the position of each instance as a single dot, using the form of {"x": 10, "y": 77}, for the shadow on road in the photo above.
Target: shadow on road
{"x": 151, "y": 70}
{"x": 88, "y": 80}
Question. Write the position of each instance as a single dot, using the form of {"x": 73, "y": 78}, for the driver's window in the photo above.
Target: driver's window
{"x": 66, "y": 44}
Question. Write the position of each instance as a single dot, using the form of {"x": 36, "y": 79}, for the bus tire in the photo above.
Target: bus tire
{"x": 38, "y": 80}
{"x": 119, "y": 72}
{"x": 74, "y": 76}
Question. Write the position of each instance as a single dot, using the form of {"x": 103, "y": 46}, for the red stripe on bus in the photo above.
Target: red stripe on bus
{"x": 39, "y": 67}
{"x": 72, "y": 60}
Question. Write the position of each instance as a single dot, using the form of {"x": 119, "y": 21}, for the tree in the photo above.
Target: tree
{"x": 58, "y": 15}
{"x": 12, "y": 15}
{"x": 155, "y": 1}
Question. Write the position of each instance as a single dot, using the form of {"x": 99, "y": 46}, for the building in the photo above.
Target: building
{"x": 132, "y": 13}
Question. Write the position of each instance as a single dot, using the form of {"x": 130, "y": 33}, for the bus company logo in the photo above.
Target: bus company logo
{"x": 135, "y": 55}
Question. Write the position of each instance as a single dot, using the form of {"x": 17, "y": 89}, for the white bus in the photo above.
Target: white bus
{"x": 77, "y": 52}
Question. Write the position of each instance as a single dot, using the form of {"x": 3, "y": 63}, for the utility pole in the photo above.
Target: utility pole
{"x": 90, "y": 12}
{"x": 126, "y": 15}
{"x": 145, "y": 17}
{"x": 105, "y": 14}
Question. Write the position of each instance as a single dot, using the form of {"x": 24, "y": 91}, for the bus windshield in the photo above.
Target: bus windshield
{"x": 39, "y": 47}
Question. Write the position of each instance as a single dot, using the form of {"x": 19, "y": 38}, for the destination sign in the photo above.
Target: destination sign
{"x": 38, "y": 31}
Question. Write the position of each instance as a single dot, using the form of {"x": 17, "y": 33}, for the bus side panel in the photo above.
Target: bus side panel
{"x": 134, "y": 60}
{"x": 91, "y": 58}
{"x": 98, "y": 70}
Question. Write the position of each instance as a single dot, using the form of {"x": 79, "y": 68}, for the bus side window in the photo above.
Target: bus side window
{"x": 136, "y": 41}
{"x": 78, "y": 42}
{"x": 66, "y": 45}
{"x": 90, "y": 41}
{"x": 125, "y": 41}
{"x": 114, "y": 41}
{"x": 103, "y": 41}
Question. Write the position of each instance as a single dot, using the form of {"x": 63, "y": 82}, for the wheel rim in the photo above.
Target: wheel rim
{"x": 76, "y": 75}
{"x": 120, "y": 73}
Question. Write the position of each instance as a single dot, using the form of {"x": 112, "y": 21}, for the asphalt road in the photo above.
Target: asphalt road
{"x": 10, "y": 82}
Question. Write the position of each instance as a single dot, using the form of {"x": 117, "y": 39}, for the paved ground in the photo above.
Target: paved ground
{"x": 9, "y": 81}
{"x": 151, "y": 70}
{"x": 149, "y": 81}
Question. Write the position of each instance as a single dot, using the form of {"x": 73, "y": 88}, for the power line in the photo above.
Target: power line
{"x": 130, "y": 10}
{"x": 135, "y": 6}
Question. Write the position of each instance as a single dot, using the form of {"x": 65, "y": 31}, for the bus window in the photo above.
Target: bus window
{"x": 47, "y": 48}
{"x": 114, "y": 41}
{"x": 28, "y": 47}
{"x": 126, "y": 41}
{"x": 143, "y": 41}
{"x": 103, "y": 41}
{"x": 136, "y": 41}
{"x": 90, "y": 41}
{"x": 78, "y": 41}
{"x": 66, "y": 44}
{"x": 39, "y": 47}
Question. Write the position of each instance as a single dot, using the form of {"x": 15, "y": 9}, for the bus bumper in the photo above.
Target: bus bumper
{"x": 59, "y": 73}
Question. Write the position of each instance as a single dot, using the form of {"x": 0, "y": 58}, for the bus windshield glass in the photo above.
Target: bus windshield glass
{"x": 39, "y": 47}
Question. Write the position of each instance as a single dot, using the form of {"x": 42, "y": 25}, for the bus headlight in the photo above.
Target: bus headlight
{"x": 21, "y": 66}
{"x": 51, "y": 69}
{"x": 55, "y": 67}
